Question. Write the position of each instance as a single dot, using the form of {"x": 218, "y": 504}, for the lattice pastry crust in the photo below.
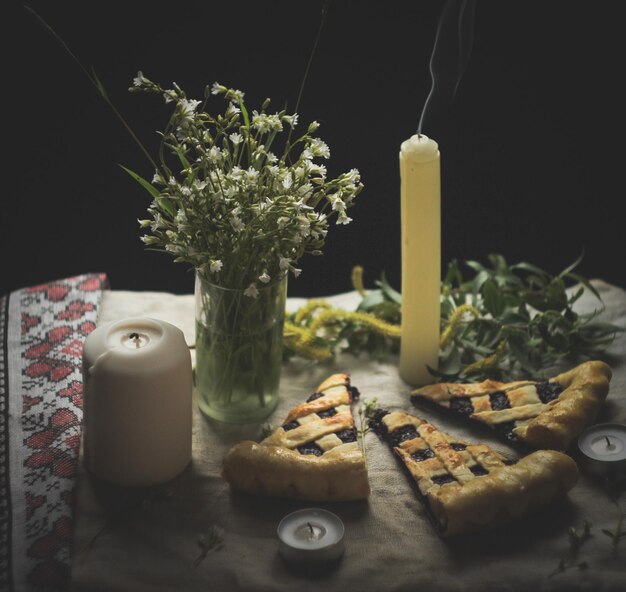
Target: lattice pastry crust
{"x": 543, "y": 415}
{"x": 314, "y": 455}
{"x": 469, "y": 487}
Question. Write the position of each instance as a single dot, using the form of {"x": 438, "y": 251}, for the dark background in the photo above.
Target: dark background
{"x": 532, "y": 145}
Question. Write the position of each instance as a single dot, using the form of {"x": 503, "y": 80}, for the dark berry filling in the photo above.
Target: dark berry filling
{"x": 328, "y": 412}
{"x": 402, "y": 434}
{"x": 420, "y": 455}
{"x": 505, "y": 430}
{"x": 548, "y": 391}
{"x": 478, "y": 470}
{"x": 310, "y": 448}
{"x": 499, "y": 401}
{"x": 354, "y": 392}
{"x": 462, "y": 405}
{"x": 292, "y": 425}
{"x": 376, "y": 422}
{"x": 347, "y": 436}
{"x": 314, "y": 396}
{"x": 443, "y": 479}
{"x": 458, "y": 447}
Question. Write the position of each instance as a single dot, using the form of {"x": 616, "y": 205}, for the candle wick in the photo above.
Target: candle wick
{"x": 310, "y": 527}
{"x": 136, "y": 339}
{"x": 608, "y": 442}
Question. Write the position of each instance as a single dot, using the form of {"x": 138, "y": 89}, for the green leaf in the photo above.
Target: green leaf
{"x": 608, "y": 533}
{"x": 573, "y": 266}
{"x": 586, "y": 283}
{"x": 388, "y": 291}
{"x": 153, "y": 191}
{"x": 244, "y": 112}
{"x": 493, "y": 298}
{"x": 371, "y": 299}
{"x": 99, "y": 85}
{"x": 531, "y": 268}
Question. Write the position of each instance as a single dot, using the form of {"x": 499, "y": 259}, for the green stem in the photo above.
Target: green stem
{"x": 94, "y": 80}
{"x": 308, "y": 67}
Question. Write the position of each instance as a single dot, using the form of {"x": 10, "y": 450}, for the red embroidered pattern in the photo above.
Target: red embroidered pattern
{"x": 55, "y": 320}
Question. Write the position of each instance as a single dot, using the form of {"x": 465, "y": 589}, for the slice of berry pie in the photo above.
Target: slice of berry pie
{"x": 313, "y": 456}
{"x": 468, "y": 487}
{"x": 542, "y": 414}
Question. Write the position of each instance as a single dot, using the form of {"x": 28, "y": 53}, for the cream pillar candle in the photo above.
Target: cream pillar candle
{"x": 421, "y": 258}
{"x": 137, "y": 402}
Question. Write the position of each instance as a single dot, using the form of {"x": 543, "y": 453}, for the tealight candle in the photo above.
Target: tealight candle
{"x": 137, "y": 402}
{"x": 421, "y": 258}
{"x": 311, "y": 535}
{"x": 603, "y": 446}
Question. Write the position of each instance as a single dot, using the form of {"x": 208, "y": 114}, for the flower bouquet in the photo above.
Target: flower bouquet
{"x": 239, "y": 198}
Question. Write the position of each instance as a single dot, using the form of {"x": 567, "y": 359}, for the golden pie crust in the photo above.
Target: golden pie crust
{"x": 543, "y": 415}
{"x": 332, "y": 466}
{"x": 470, "y": 487}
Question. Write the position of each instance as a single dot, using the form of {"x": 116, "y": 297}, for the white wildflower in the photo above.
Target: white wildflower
{"x": 188, "y": 107}
{"x": 140, "y": 79}
{"x": 264, "y": 277}
{"x": 157, "y": 222}
{"x": 343, "y": 218}
{"x": 260, "y": 122}
{"x": 215, "y": 154}
{"x": 284, "y": 263}
{"x": 236, "y": 138}
{"x": 282, "y": 221}
{"x": 251, "y": 291}
{"x": 252, "y": 175}
{"x": 319, "y": 148}
{"x": 292, "y": 120}
{"x": 232, "y": 109}
{"x": 287, "y": 181}
{"x": 215, "y": 265}
{"x": 234, "y": 95}
{"x": 318, "y": 169}
{"x": 353, "y": 176}
{"x": 237, "y": 224}
{"x": 217, "y": 88}
{"x": 337, "y": 203}
{"x": 299, "y": 206}
{"x": 274, "y": 122}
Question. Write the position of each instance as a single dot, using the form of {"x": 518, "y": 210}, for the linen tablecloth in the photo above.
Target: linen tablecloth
{"x": 116, "y": 539}
{"x": 150, "y": 540}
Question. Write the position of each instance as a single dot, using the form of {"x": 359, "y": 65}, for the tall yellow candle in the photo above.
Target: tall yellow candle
{"x": 420, "y": 193}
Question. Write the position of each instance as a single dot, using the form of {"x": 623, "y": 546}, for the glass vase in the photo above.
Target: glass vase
{"x": 239, "y": 344}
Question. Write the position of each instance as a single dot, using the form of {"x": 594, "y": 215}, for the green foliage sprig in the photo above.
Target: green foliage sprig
{"x": 515, "y": 320}
{"x": 504, "y": 321}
